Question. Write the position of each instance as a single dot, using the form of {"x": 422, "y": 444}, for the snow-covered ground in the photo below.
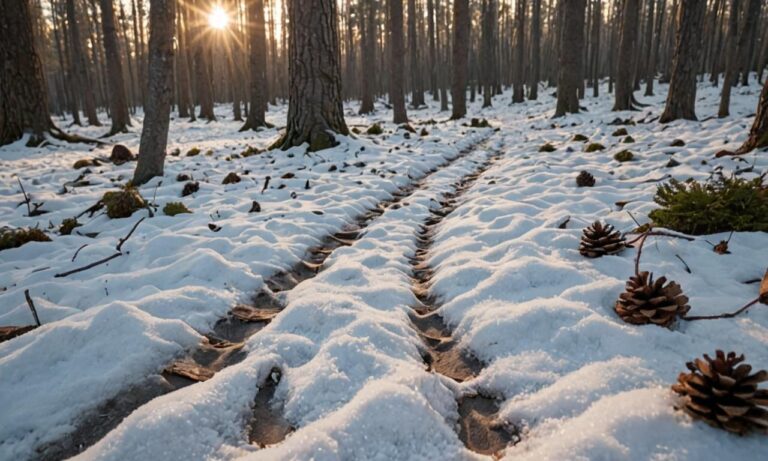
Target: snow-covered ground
{"x": 579, "y": 382}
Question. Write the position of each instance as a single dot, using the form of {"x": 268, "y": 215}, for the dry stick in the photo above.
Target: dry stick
{"x": 26, "y": 198}
{"x": 687, "y": 268}
{"x": 32, "y": 307}
{"x": 661, "y": 234}
{"x": 108, "y": 258}
{"x": 640, "y": 251}
{"x": 78, "y": 251}
{"x": 723, "y": 316}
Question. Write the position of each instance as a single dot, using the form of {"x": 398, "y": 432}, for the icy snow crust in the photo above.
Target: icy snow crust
{"x": 578, "y": 382}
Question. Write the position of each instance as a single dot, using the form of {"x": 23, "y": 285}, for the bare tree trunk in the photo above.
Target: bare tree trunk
{"x": 154, "y": 135}
{"x": 652, "y": 65}
{"x": 748, "y": 39}
{"x": 368, "y": 56}
{"x": 730, "y": 59}
{"x": 571, "y": 57}
{"x": 315, "y": 111}
{"x": 624, "y": 74}
{"x": 461, "y": 26}
{"x": 533, "y": 90}
{"x": 118, "y": 105}
{"x": 257, "y": 58}
{"x": 84, "y": 80}
{"x": 597, "y": 15}
{"x": 650, "y": 71}
{"x": 396, "y": 61}
{"x": 432, "y": 49}
{"x": 681, "y": 99}
{"x": 417, "y": 91}
{"x": 182, "y": 68}
{"x": 202, "y": 72}
{"x": 758, "y": 134}
{"x": 518, "y": 93}
{"x": 487, "y": 50}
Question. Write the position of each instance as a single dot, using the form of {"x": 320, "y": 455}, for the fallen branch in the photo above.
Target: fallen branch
{"x": 78, "y": 251}
{"x": 660, "y": 234}
{"x": 724, "y": 316}
{"x": 32, "y": 307}
{"x": 28, "y": 200}
{"x": 119, "y": 249}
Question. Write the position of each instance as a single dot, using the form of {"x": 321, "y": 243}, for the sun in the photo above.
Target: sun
{"x": 218, "y": 18}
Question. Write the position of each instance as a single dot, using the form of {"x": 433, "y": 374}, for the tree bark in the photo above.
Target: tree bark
{"x": 730, "y": 59}
{"x": 624, "y": 74}
{"x": 80, "y": 65}
{"x": 533, "y": 90}
{"x": 681, "y": 99}
{"x": 417, "y": 91}
{"x": 202, "y": 72}
{"x": 758, "y": 134}
{"x": 257, "y": 59}
{"x": 518, "y": 93}
{"x": 461, "y": 29}
{"x": 154, "y": 135}
{"x": 432, "y": 49}
{"x": 487, "y": 57}
{"x": 570, "y": 58}
{"x": 368, "y": 56}
{"x": 748, "y": 39}
{"x": 650, "y": 71}
{"x": 315, "y": 110}
{"x": 396, "y": 61}
{"x": 118, "y": 104}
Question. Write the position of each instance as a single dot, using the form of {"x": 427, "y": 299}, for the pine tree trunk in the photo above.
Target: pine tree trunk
{"x": 257, "y": 59}
{"x": 396, "y": 61}
{"x": 730, "y": 60}
{"x": 23, "y": 96}
{"x": 417, "y": 92}
{"x": 368, "y": 56}
{"x": 84, "y": 80}
{"x": 747, "y": 43}
{"x": 182, "y": 67}
{"x": 487, "y": 50}
{"x": 597, "y": 20}
{"x": 154, "y": 135}
{"x": 518, "y": 93}
{"x": 653, "y": 64}
{"x": 624, "y": 75}
{"x": 315, "y": 110}
{"x": 461, "y": 29}
{"x": 650, "y": 72}
{"x": 432, "y": 49}
{"x": 118, "y": 105}
{"x": 681, "y": 99}
{"x": 202, "y": 72}
{"x": 533, "y": 91}
{"x": 570, "y": 61}
{"x": 758, "y": 135}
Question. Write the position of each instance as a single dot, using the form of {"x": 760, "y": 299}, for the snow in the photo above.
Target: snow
{"x": 579, "y": 382}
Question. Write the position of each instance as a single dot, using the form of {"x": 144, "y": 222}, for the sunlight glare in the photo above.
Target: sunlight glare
{"x": 218, "y": 18}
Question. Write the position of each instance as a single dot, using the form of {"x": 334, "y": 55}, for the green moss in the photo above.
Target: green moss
{"x": 122, "y": 203}
{"x": 249, "y": 151}
{"x": 628, "y": 140}
{"x": 580, "y": 138}
{"x": 209, "y": 153}
{"x": 14, "y": 238}
{"x": 68, "y": 225}
{"x": 547, "y": 148}
{"x": 624, "y": 156}
{"x": 594, "y": 147}
{"x": 355, "y": 130}
{"x": 174, "y": 208}
{"x": 374, "y": 129}
{"x": 725, "y": 204}
{"x": 193, "y": 152}
{"x": 620, "y": 132}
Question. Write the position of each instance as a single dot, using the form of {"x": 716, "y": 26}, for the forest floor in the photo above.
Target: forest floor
{"x": 401, "y": 296}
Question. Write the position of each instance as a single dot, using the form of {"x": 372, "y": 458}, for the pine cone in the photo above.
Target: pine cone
{"x": 599, "y": 240}
{"x": 585, "y": 179}
{"x": 725, "y": 395}
{"x": 646, "y": 301}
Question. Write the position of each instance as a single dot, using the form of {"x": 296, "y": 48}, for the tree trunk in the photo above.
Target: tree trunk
{"x": 396, "y": 61}
{"x": 417, "y": 91}
{"x": 80, "y": 65}
{"x": 23, "y": 96}
{"x": 597, "y": 15}
{"x": 748, "y": 39}
{"x": 432, "y": 49}
{"x": 257, "y": 59}
{"x": 758, "y": 135}
{"x": 570, "y": 58}
{"x": 624, "y": 75}
{"x": 182, "y": 67}
{"x": 487, "y": 51}
{"x": 461, "y": 29}
{"x": 730, "y": 59}
{"x": 518, "y": 93}
{"x": 315, "y": 111}
{"x": 681, "y": 99}
{"x": 533, "y": 90}
{"x": 154, "y": 135}
{"x": 650, "y": 72}
{"x": 655, "y": 51}
{"x": 118, "y": 105}
{"x": 368, "y": 56}
{"x": 202, "y": 72}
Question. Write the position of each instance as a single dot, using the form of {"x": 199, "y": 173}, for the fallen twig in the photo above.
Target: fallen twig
{"x": 660, "y": 234}
{"x": 119, "y": 249}
{"x": 687, "y": 269}
{"x": 78, "y": 251}
{"x": 726, "y": 315}
{"x": 32, "y": 307}
{"x": 28, "y": 200}
{"x": 640, "y": 251}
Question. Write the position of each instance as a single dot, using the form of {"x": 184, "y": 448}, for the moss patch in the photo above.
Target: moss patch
{"x": 122, "y": 203}
{"x": 594, "y": 147}
{"x": 579, "y": 138}
{"x": 624, "y": 156}
{"x": 374, "y": 129}
{"x": 620, "y": 132}
{"x": 174, "y": 208}
{"x": 249, "y": 151}
{"x": 231, "y": 178}
{"x": 628, "y": 140}
{"x": 14, "y": 238}
{"x": 721, "y": 205}
{"x": 68, "y": 225}
{"x": 195, "y": 151}
{"x": 547, "y": 148}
